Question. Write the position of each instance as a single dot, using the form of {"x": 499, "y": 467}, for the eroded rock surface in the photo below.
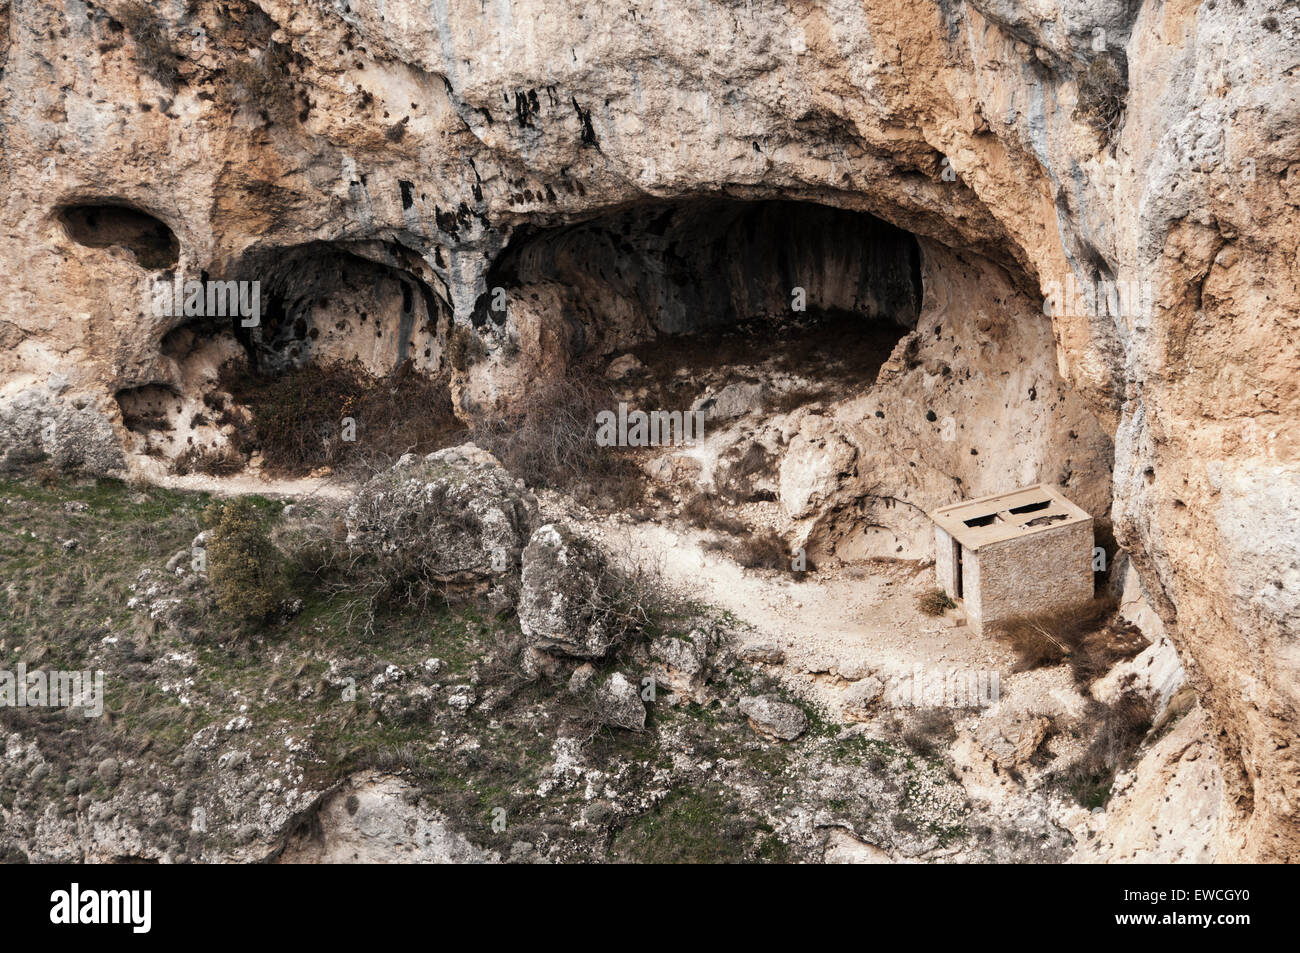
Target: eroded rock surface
{"x": 420, "y": 143}
{"x": 567, "y": 603}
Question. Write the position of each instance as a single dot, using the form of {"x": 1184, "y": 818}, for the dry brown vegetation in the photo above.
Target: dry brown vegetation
{"x": 764, "y": 550}
{"x": 157, "y": 52}
{"x": 210, "y": 461}
{"x": 549, "y": 440}
{"x": 464, "y": 348}
{"x": 935, "y": 602}
{"x": 705, "y": 512}
{"x": 298, "y": 416}
{"x": 928, "y": 732}
{"x": 265, "y": 83}
{"x": 1121, "y": 729}
{"x": 1088, "y": 636}
{"x": 1103, "y": 91}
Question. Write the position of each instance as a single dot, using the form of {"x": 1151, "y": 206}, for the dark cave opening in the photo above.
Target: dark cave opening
{"x": 815, "y": 295}
{"x": 343, "y": 366}
{"x": 325, "y": 303}
{"x": 109, "y": 224}
{"x": 721, "y": 310}
{"x": 688, "y": 265}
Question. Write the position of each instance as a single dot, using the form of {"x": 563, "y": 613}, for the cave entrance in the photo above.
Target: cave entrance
{"x": 343, "y": 368}
{"x": 800, "y": 300}
{"x": 738, "y": 312}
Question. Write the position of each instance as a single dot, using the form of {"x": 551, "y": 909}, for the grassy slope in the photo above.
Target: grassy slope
{"x": 58, "y": 606}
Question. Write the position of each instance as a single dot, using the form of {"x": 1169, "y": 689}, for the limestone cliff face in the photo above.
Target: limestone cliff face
{"x": 285, "y": 141}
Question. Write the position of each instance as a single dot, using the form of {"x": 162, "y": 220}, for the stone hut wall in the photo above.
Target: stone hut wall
{"x": 1044, "y": 572}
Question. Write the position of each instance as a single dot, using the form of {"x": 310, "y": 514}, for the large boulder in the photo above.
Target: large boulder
{"x": 569, "y": 600}
{"x": 455, "y": 518}
{"x": 681, "y": 662}
{"x": 69, "y": 432}
{"x": 818, "y": 463}
{"x": 1009, "y": 740}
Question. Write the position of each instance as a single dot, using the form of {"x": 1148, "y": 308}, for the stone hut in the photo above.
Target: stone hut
{"x": 1018, "y": 553}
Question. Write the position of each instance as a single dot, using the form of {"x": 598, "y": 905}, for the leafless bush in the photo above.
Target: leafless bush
{"x": 464, "y": 348}
{"x": 764, "y": 550}
{"x": 1103, "y": 90}
{"x": 704, "y": 512}
{"x": 550, "y": 440}
{"x": 1087, "y": 636}
{"x": 929, "y": 731}
{"x": 625, "y": 603}
{"x": 1121, "y": 729}
{"x": 502, "y": 666}
{"x": 158, "y": 54}
{"x": 361, "y": 585}
{"x": 211, "y": 461}
{"x": 265, "y": 83}
{"x": 298, "y": 414}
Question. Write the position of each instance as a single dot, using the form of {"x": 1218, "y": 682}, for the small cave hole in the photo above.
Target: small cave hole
{"x": 106, "y": 225}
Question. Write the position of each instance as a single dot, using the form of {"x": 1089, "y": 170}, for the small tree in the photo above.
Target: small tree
{"x": 243, "y": 565}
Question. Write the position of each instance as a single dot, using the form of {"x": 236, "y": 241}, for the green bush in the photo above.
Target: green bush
{"x": 244, "y": 567}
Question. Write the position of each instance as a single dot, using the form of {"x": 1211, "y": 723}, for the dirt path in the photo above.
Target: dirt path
{"x": 242, "y": 484}
{"x": 834, "y": 626}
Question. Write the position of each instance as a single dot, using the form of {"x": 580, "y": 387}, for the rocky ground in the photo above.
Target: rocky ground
{"x": 984, "y": 174}
{"x": 565, "y": 686}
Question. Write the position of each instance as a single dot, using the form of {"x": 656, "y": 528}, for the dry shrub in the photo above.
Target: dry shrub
{"x": 365, "y": 577}
{"x": 48, "y": 476}
{"x": 298, "y": 415}
{"x": 266, "y": 84}
{"x": 765, "y": 550}
{"x": 502, "y": 665}
{"x": 144, "y": 422}
{"x": 1097, "y": 652}
{"x": 630, "y": 600}
{"x": 464, "y": 348}
{"x": 703, "y": 512}
{"x": 935, "y": 602}
{"x": 1103, "y": 90}
{"x": 1121, "y": 729}
{"x": 1087, "y": 636}
{"x": 157, "y": 53}
{"x": 929, "y": 731}
{"x": 549, "y": 440}
{"x": 210, "y": 461}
